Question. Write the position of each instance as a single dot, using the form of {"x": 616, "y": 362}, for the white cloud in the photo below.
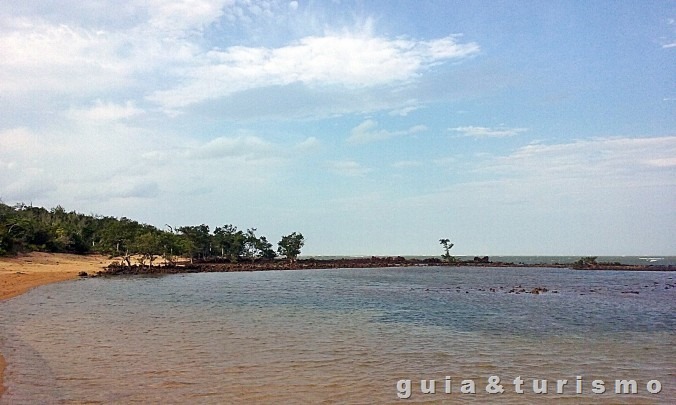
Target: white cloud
{"x": 348, "y": 60}
{"x": 563, "y": 198}
{"x": 179, "y": 15}
{"x": 410, "y": 106}
{"x": 485, "y": 132}
{"x": 584, "y": 173}
{"x": 107, "y": 111}
{"x": 667, "y": 41}
{"x": 309, "y": 143}
{"x": 348, "y": 168}
{"x": 18, "y": 141}
{"x": 26, "y": 185}
{"x": 246, "y": 147}
{"x": 299, "y": 102}
{"x": 662, "y": 162}
{"x": 446, "y": 162}
{"x": 37, "y": 56}
{"x": 368, "y": 131}
{"x": 603, "y": 163}
{"x": 406, "y": 164}
{"x": 136, "y": 189}
{"x": 238, "y": 148}
{"x": 114, "y": 165}
{"x": 159, "y": 51}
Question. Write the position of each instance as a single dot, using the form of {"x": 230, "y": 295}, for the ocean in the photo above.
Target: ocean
{"x": 355, "y": 336}
{"x": 655, "y": 260}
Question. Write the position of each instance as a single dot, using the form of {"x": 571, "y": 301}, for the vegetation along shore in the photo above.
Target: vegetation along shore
{"x": 143, "y": 248}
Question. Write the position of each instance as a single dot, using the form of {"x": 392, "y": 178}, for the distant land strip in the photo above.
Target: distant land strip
{"x": 218, "y": 265}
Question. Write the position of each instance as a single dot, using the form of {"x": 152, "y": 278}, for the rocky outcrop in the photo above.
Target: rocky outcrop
{"x": 117, "y": 268}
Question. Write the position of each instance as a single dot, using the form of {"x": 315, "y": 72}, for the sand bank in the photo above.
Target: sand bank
{"x": 20, "y": 274}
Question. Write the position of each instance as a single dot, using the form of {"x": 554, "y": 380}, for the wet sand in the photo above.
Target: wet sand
{"x": 20, "y": 274}
{"x": 2, "y": 378}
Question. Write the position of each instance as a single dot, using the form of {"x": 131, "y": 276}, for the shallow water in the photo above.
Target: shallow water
{"x": 340, "y": 336}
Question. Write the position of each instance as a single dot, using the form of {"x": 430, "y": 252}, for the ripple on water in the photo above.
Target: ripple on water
{"x": 334, "y": 336}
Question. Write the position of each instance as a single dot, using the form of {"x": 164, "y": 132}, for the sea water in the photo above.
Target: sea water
{"x": 344, "y": 336}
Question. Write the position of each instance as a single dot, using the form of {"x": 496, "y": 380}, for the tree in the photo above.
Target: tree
{"x": 171, "y": 246}
{"x": 446, "y": 243}
{"x": 255, "y": 247}
{"x": 116, "y": 236}
{"x": 199, "y": 240}
{"x": 148, "y": 246}
{"x": 25, "y": 228}
{"x": 266, "y": 248}
{"x": 586, "y": 262}
{"x": 187, "y": 247}
{"x": 229, "y": 241}
{"x": 251, "y": 250}
{"x": 290, "y": 245}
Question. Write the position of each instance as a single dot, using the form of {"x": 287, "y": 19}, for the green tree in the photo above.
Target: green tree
{"x": 251, "y": 247}
{"x": 199, "y": 240}
{"x": 187, "y": 247}
{"x": 586, "y": 262}
{"x": 26, "y": 228}
{"x": 266, "y": 248}
{"x": 447, "y": 245}
{"x": 148, "y": 246}
{"x": 12, "y": 235}
{"x": 257, "y": 247}
{"x": 229, "y": 241}
{"x": 171, "y": 246}
{"x": 290, "y": 245}
{"x": 117, "y": 236}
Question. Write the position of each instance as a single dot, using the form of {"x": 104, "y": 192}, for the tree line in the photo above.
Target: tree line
{"x": 26, "y": 228}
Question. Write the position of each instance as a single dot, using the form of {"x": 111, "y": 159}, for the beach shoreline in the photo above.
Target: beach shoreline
{"x": 22, "y": 273}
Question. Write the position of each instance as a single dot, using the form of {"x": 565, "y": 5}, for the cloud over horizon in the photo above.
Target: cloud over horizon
{"x": 484, "y": 132}
{"x": 368, "y": 131}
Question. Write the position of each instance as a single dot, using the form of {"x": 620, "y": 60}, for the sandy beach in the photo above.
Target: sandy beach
{"x": 20, "y": 274}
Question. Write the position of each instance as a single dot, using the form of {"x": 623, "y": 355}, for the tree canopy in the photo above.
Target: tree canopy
{"x": 290, "y": 245}
{"x": 26, "y": 228}
{"x": 447, "y": 245}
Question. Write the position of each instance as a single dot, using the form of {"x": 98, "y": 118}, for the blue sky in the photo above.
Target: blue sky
{"x": 374, "y": 127}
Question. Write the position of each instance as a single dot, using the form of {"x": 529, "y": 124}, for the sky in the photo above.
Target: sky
{"x": 371, "y": 127}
